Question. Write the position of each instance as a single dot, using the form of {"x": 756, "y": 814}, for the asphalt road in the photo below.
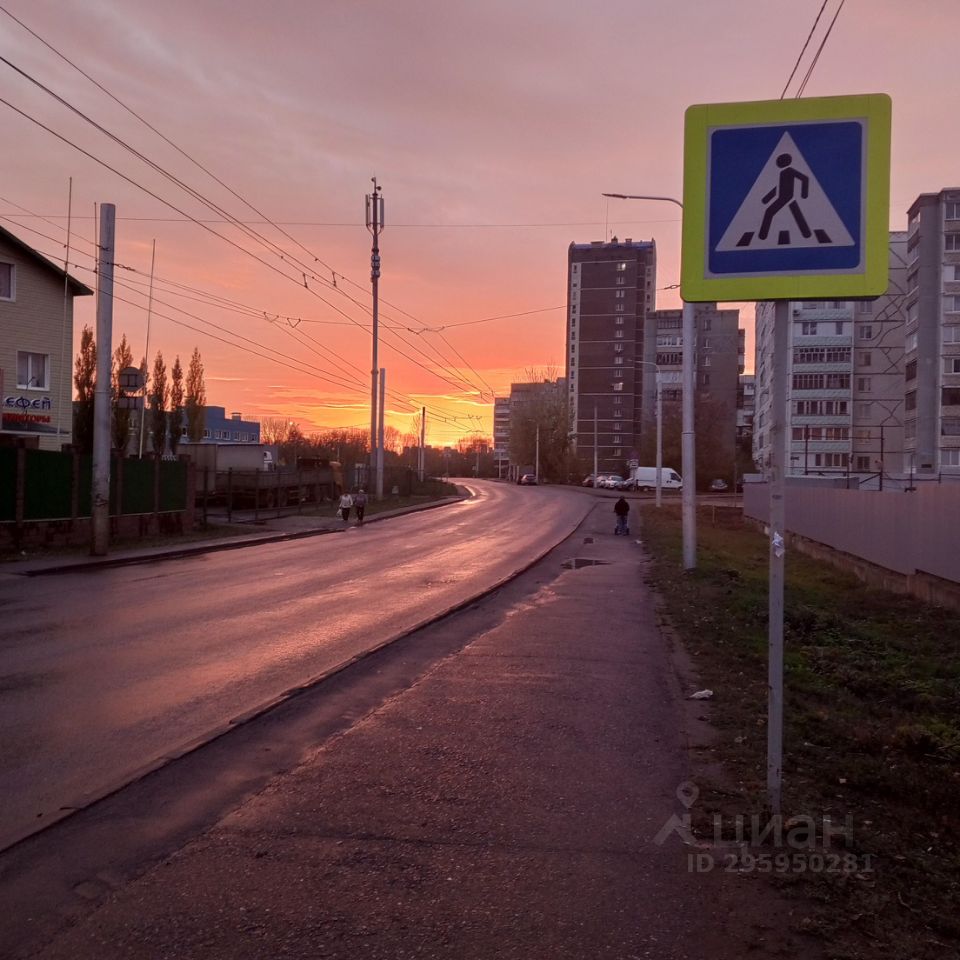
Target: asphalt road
{"x": 104, "y": 671}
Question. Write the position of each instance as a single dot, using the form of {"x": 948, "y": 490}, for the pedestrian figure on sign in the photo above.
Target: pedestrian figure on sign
{"x": 784, "y": 192}
{"x": 621, "y": 508}
{"x": 346, "y": 504}
{"x": 360, "y": 505}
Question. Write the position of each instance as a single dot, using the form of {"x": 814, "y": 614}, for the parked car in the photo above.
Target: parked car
{"x": 645, "y": 479}
{"x": 528, "y": 480}
{"x": 718, "y": 486}
{"x": 610, "y": 481}
{"x": 588, "y": 482}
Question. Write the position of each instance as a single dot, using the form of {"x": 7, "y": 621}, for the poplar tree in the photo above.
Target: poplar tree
{"x": 122, "y": 358}
{"x": 175, "y": 420}
{"x": 196, "y": 398}
{"x": 159, "y": 397}
{"x": 85, "y": 382}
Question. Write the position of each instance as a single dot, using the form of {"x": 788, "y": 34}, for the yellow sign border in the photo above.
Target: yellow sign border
{"x": 700, "y": 119}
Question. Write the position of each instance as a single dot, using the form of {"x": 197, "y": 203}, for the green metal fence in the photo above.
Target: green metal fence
{"x": 56, "y": 485}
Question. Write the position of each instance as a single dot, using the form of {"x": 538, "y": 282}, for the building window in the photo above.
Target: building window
{"x": 950, "y": 335}
{"x": 617, "y": 438}
{"x": 705, "y": 362}
{"x": 619, "y": 294}
{"x": 837, "y": 354}
{"x": 951, "y": 365}
{"x": 950, "y": 427}
{"x": 838, "y": 328}
{"x": 866, "y": 358}
{"x": 618, "y": 452}
{"x": 206, "y": 434}
{"x": 8, "y": 289}
{"x": 910, "y": 371}
{"x": 866, "y": 331}
{"x": 808, "y": 328}
{"x": 910, "y": 343}
{"x": 618, "y": 387}
{"x": 863, "y": 384}
{"x": 863, "y": 463}
{"x": 618, "y": 307}
{"x": 950, "y": 396}
{"x": 618, "y": 414}
{"x": 951, "y": 211}
{"x": 951, "y": 242}
{"x": 618, "y": 360}
{"x": 617, "y": 400}
{"x": 621, "y": 267}
{"x": 950, "y": 458}
{"x": 910, "y": 429}
{"x": 705, "y": 379}
{"x": 618, "y": 348}
{"x": 618, "y": 374}
{"x": 865, "y": 306}
{"x": 618, "y": 334}
{"x": 808, "y": 381}
{"x": 864, "y": 409}
{"x": 951, "y": 304}
{"x": 910, "y": 400}
{"x": 33, "y": 371}
{"x": 621, "y": 281}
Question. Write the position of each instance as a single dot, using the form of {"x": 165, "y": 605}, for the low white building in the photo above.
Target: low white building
{"x": 36, "y": 346}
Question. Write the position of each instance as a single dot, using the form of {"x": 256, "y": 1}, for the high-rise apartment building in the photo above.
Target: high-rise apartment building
{"x": 845, "y": 402}
{"x": 609, "y": 342}
{"x": 501, "y": 435}
{"x": 717, "y": 370}
{"x": 932, "y": 344}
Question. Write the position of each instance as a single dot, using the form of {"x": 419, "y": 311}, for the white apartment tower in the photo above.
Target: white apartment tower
{"x": 845, "y": 399}
{"x": 932, "y": 347}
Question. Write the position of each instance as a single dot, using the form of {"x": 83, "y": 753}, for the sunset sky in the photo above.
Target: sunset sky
{"x": 492, "y": 126}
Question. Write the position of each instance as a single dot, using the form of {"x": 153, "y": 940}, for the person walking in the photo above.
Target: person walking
{"x": 621, "y": 508}
{"x": 360, "y": 505}
{"x": 346, "y": 503}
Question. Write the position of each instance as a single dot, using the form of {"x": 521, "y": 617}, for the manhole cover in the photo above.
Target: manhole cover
{"x": 576, "y": 563}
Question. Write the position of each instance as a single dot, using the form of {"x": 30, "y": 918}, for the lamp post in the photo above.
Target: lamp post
{"x": 656, "y": 367}
{"x": 688, "y": 449}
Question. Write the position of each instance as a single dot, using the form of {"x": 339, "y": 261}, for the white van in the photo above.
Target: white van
{"x": 645, "y": 478}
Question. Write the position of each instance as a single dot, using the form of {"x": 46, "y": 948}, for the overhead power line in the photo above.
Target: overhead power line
{"x": 806, "y": 44}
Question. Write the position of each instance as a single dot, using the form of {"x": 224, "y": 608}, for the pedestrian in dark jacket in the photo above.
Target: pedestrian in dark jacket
{"x": 360, "y": 505}
{"x": 621, "y": 508}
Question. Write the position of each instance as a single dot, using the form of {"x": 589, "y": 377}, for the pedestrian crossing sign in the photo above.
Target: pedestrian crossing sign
{"x": 786, "y": 199}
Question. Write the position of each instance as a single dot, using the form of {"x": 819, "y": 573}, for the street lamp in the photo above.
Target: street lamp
{"x": 647, "y": 363}
{"x": 688, "y": 449}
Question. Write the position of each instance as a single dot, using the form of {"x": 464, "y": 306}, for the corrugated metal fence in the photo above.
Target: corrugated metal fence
{"x": 916, "y": 532}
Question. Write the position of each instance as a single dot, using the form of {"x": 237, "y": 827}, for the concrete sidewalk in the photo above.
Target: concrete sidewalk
{"x": 504, "y": 806}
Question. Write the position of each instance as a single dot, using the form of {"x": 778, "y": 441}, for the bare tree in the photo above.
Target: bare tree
{"x": 274, "y": 429}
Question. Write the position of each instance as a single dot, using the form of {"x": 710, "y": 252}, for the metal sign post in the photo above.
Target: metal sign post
{"x": 784, "y": 200}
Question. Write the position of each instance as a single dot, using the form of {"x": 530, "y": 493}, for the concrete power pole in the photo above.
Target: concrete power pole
{"x": 383, "y": 390}
{"x": 536, "y": 469}
{"x": 375, "y": 226}
{"x": 100, "y": 492}
{"x": 423, "y": 442}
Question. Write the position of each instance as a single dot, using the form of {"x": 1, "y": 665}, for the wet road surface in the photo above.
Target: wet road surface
{"x": 105, "y": 671}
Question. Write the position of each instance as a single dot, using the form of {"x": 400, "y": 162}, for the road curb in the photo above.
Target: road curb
{"x": 86, "y": 801}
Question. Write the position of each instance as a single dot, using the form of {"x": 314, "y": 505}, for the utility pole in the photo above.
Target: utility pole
{"x": 659, "y": 438}
{"x": 596, "y": 452}
{"x": 383, "y": 390}
{"x": 375, "y": 226}
{"x": 688, "y": 450}
{"x": 536, "y": 469}
{"x": 478, "y": 458}
{"x": 146, "y": 348}
{"x": 100, "y": 492}
{"x": 423, "y": 441}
